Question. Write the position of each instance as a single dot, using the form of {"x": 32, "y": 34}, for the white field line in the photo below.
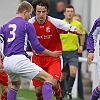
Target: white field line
{"x": 21, "y": 98}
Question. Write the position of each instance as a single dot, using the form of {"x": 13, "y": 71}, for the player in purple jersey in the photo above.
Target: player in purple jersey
{"x": 91, "y": 42}
{"x": 15, "y": 35}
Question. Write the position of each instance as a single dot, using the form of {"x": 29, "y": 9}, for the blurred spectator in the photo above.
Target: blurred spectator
{"x": 60, "y": 10}
{"x": 71, "y": 48}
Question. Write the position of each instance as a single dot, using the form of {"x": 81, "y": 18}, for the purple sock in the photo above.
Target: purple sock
{"x": 47, "y": 91}
{"x": 12, "y": 94}
{"x": 95, "y": 94}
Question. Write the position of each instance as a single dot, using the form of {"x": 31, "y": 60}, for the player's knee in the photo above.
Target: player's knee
{"x": 50, "y": 79}
{"x": 55, "y": 84}
{"x": 63, "y": 76}
{"x": 16, "y": 85}
{"x": 73, "y": 73}
{"x": 5, "y": 90}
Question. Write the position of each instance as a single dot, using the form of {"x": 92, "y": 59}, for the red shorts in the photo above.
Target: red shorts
{"x": 50, "y": 65}
{"x": 4, "y": 79}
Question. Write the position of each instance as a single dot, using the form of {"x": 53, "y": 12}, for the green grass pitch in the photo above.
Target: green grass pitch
{"x": 25, "y": 94}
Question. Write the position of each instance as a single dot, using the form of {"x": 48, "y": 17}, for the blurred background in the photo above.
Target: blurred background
{"x": 89, "y": 11}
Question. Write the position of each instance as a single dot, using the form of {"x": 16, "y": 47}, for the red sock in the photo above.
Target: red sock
{"x": 40, "y": 98}
{"x": 3, "y": 97}
{"x": 58, "y": 92}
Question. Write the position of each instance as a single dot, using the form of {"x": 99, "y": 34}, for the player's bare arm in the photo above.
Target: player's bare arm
{"x": 53, "y": 54}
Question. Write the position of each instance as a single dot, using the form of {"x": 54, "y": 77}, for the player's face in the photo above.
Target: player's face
{"x": 41, "y": 12}
{"x": 28, "y": 14}
{"x": 69, "y": 13}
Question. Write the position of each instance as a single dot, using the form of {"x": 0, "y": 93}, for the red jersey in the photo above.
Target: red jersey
{"x": 48, "y": 33}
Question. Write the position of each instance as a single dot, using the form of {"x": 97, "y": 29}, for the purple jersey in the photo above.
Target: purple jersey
{"x": 93, "y": 34}
{"x": 16, "y": 34}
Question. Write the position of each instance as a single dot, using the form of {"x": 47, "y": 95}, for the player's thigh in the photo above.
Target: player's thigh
{"x": 44, "y": 76}
{"x": 4, "y": 79}
{"x": 73, "y": 66}
{"x": 54, "y": 68}
{"x": 73, "y": 60}
{"x": 4, "y": 88}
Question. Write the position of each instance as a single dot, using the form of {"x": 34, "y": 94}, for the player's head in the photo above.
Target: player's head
{"x": 69, "y": 12}
{"x": 77, "y": 17}
{"x": 41, "y": 8}
{"x": 25, "y": 10}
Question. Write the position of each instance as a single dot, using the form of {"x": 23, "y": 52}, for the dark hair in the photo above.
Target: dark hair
{"x": 24, "y": 6}
{"x": 69, "y": 6}
{"x": 40, "y": 3}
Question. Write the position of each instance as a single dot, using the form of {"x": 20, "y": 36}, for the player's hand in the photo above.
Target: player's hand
{"x": 77, "y": 31}
{"x": 90, "y": 58}
{"x": 80, "y": 49}
{"x": 56, "y": 53}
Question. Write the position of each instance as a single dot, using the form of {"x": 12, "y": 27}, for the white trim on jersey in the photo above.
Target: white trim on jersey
{"x": 0, "y": 46}
{"x": 57, "y": 23}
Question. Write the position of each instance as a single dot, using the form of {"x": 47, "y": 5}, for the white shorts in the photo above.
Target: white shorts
{"x": 20, "y": 66}
{"x": 98, "y": 66}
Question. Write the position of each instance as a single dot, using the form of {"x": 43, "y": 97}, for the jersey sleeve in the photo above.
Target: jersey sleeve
{"x": 1, "y": 35}
{"x": 1, "y": 38}
{"x": 62, "y": 26}
{"x": 33, "y": 39}
{"x": 92, "y": 37}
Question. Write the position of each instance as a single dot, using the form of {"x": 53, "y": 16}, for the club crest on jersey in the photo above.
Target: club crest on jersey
{"x": 48, "y": 29}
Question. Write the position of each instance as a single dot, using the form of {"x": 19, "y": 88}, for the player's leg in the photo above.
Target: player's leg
{"x": 23, "y": 67}
{"x": 4, "y": 92}
{"x": 38, "y": 84}
{"x": 63, "y": 75}
{"x": 96, "y": 91}
{"x": 12, "y": 93}
{"x": 47, "y": 85}
{"x": 10, "y": 68}
{"x": 71, "y": 60}
{"x": 38, "y": 91}
{"x": 55, "y": 64}
{"x": 50, "y": 65}
{"x": 73, "y": 70}
{"x": 80, "y": 83}
{"x": 4, "y": 85}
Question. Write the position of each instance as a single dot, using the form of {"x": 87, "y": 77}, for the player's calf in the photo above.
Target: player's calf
{"x": 4, "y": 96}
{"x": 58, "y": 93}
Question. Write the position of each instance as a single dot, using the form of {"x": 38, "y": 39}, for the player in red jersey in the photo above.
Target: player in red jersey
{"x": 48, "y": 30}
{"x": 3, "y": 85}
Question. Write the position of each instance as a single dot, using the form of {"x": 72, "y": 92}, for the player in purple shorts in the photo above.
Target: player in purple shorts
{"x": 91, "y": 42}
{"x": 15, "y": 35}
